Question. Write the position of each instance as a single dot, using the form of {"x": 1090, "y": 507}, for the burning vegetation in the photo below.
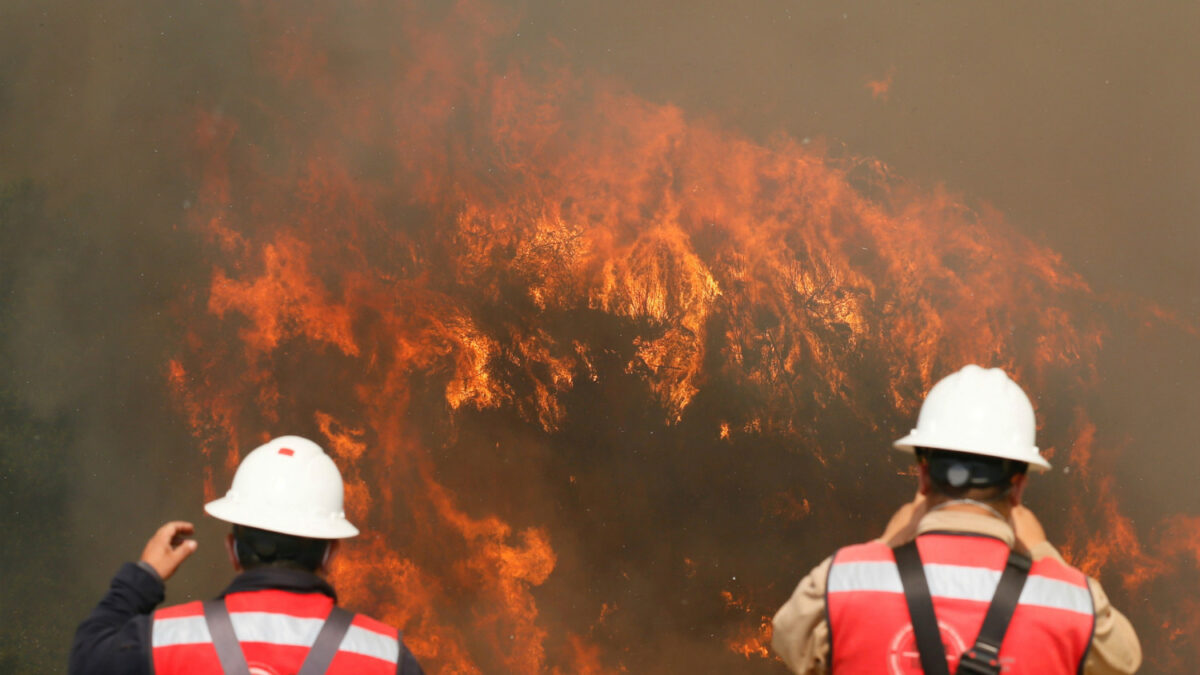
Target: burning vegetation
{"x": 601, "y": 377}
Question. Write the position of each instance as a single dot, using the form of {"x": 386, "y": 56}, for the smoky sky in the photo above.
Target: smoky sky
{"x": 1077, "y": 121}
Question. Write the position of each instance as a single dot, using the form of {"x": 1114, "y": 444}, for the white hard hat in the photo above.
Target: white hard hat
{"x": 977, "y": 411}
{"x": 288, "y": 485}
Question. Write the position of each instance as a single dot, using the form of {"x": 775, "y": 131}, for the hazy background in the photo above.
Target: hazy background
{"x": 1075, "y": 120}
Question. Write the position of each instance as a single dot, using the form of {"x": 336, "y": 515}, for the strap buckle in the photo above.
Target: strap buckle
{"x": 982, "y": 659}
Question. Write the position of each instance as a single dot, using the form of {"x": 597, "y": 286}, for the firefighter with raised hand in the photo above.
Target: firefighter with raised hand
{"x": 963, "y": 579}
{"x": 277, "y": 616}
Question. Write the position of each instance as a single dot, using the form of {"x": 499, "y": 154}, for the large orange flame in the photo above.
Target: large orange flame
{"x": 440, "y": 262}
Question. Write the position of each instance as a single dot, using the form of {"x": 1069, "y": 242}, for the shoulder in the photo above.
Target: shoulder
{"x": 368, "y": 636}
{"x": 1057, "y": 570}
{"x": 371, "y": 625}
{"x": 177, "y": 625}
{"x": 185, "y": 610}
{"x": 1054, "y": 584}
{"x": 870, "y": 551}
{"x": 810, "y": 592}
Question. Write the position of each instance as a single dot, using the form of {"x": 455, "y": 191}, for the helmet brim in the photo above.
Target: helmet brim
{"x": 231, "y": 511}
{"x": 913, "y": 441}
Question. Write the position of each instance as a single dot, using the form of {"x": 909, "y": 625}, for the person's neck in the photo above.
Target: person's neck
{"x": 996, "y": 509}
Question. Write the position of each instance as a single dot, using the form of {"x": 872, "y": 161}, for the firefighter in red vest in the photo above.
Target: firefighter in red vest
{"x": 278, "y": 616}
{"x": 963, "y": 579}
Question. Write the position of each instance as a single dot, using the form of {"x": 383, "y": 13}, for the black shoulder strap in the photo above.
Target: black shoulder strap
{"x": 920, "y": 610}
{"x": 328, "y": 641}
{"x": 229, "y": 650}
{"x": 984, "y": 657}
{"x": 233, "y": 659}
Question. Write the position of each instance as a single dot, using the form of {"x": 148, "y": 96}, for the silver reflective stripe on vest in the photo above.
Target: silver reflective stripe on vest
{"x": 865, "y": 576}
{"x": 960, "y": 583}
{"x": 279, "y": 629}
{"x": 370, "y": 643}
{"x": 185, "y": 630}
{"x": 1047, "y": 592}
{"x": 276, "y": 629}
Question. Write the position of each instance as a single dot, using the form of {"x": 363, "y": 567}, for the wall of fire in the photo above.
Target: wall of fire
{"x": 608, "y": 312}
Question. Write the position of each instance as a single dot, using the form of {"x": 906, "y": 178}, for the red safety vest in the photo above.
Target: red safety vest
{"x": 276, "y": 629}
{"x": 869, "y": 626}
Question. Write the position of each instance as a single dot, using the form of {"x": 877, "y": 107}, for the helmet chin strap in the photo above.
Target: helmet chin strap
{"x": 970, "y": 502}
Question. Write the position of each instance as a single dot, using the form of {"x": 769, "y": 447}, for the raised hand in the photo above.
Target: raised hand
{"x": 902, "y": 528}
{"x": 1027, "y": 528}
{"x": 169, "y": 547}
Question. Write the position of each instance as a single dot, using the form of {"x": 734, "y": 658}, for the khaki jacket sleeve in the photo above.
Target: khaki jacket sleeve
{"x": 1115, "y": 649}
{"x": 801, "y": 630}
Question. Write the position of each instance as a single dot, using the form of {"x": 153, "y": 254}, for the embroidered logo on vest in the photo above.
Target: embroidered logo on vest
{"x": 904, "y": 659}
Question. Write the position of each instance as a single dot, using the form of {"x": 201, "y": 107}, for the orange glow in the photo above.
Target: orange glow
{"x": 584, "y": 659}
{"x": 881, "y": 89}
{"x": 785, "y": 506}
{"x": 754, "y": 640}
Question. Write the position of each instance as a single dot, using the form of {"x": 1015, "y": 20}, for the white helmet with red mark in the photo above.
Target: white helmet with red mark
{"x": 287, "y": 485}
{"x": 978, "y": 411}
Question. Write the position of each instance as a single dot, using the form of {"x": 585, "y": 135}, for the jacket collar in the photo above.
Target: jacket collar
{"x": 279, "y": 579}
{"x": 966, "y": 522}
